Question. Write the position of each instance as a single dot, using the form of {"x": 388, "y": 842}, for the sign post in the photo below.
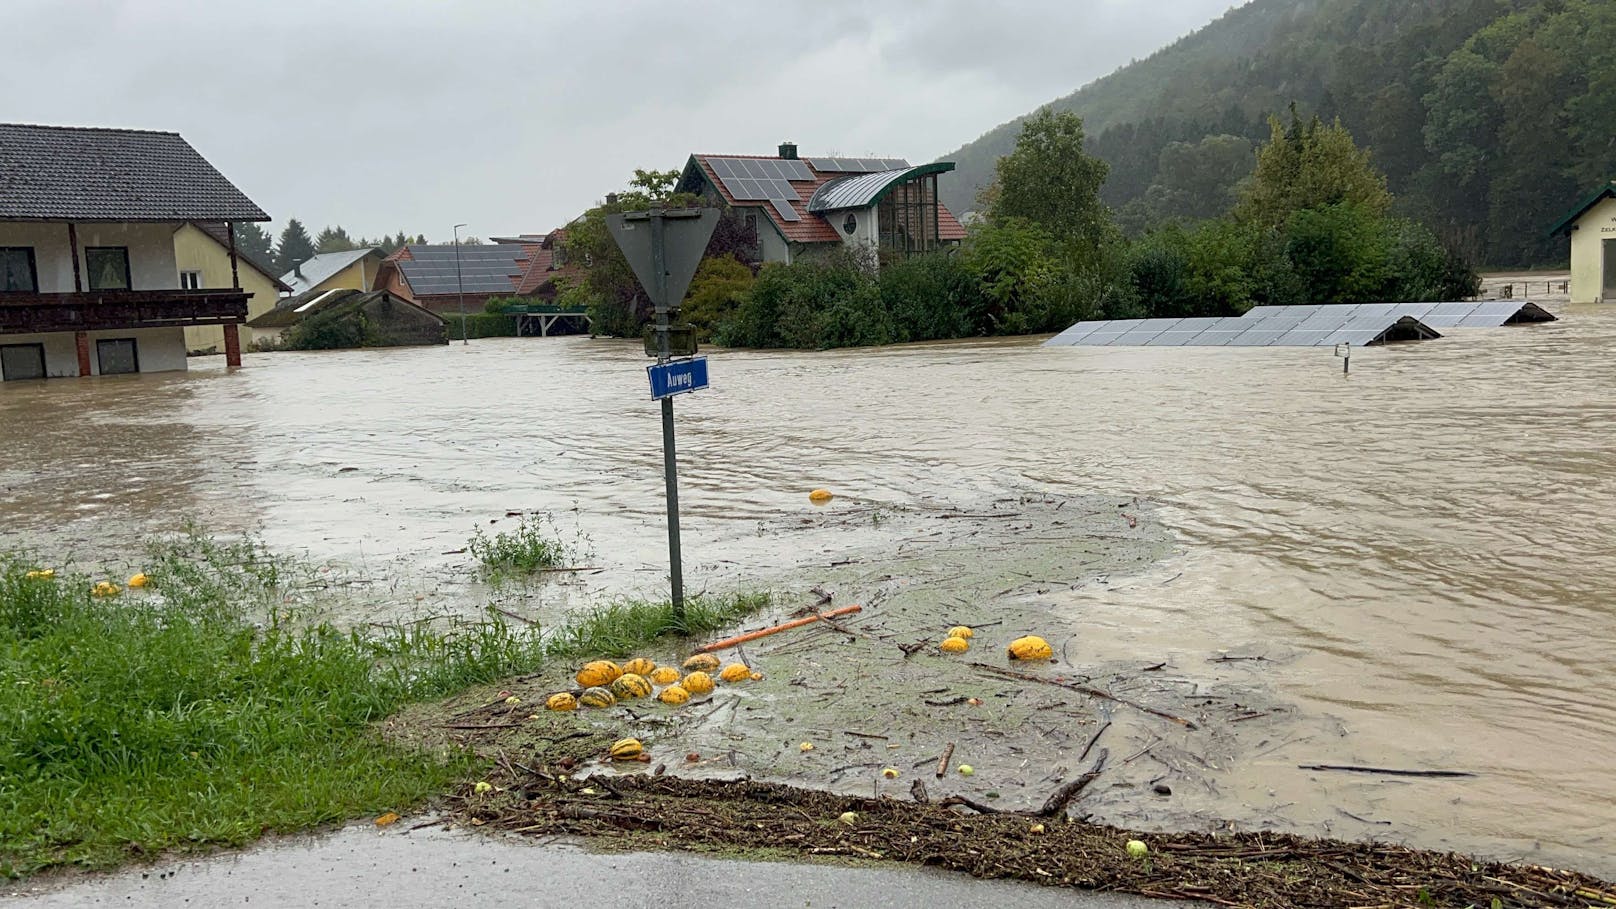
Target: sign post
{"x": 664, "y": 247}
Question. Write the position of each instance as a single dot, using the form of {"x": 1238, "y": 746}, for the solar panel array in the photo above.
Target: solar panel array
{"x": 1319, "y": 330}
{"x": 763, "y": 180}
{"x": 483, "y": 269}
{"x": 1489, "y": 314}
{"x": 857, "y": 165}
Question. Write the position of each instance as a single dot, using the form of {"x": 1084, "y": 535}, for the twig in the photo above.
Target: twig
{"x": 1387, "y": 771}
{"x": 942, "y": 763}
{"x": 509, "y": 614}
{"x": 1064, "y": 795}
{"x": 1084, "y": 689}
{"x": 978, "y": 807}
{"x": 1097, "y": 733}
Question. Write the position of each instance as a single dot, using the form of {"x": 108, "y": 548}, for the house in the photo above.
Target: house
{"x": 442, "y": 278}
{"x": 798, "y": 205}
{"x": 352, "y": 318}
{"x": 89, "y": 281}
{"x": 349, "y": 269}
{"x": 1592, "y": 229}
{"x": 202, "y": 254}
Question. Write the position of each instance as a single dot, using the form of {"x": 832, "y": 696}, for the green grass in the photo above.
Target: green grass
{"x": 619, "y": 629}
{"x": 206, "y": 710}
{"x": 528, "y": 548}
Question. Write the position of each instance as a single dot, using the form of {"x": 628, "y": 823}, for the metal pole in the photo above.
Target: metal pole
{"x": 670, "y": 459}
{"x": 460, "y": 287}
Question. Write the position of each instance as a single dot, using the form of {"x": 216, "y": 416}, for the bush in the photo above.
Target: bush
{"x": 816, "y": 303}
{"x": 331, "y": 330}
{"x": 524, "y": 550}
{"x": 930, "y": 297}
{"x": 718, "y": 290}
{"x": 481, "y": 325}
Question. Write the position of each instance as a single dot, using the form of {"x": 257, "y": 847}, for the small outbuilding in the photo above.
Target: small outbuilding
{"x": 1592, "y": 229}
{"x": 344, "y": 318}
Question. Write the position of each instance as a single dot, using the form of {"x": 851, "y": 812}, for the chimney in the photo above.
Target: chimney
{"x": 788, "y": 151}
{"x": 611, "y": 198}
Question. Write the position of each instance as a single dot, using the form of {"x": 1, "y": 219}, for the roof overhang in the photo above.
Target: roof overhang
{"x": 864, "y": 190}
{"x": 1569, "y": 222}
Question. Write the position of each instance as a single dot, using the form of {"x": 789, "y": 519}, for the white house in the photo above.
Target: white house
{"x": 800, "y": 204}
{"x": 89, "y": 282}
{"x": 1592, "y": 229}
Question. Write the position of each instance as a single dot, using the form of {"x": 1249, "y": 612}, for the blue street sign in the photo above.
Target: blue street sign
{"x": 677, "y": 377}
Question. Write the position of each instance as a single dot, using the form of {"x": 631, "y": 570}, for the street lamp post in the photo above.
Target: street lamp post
{"x": 460, "y": 287}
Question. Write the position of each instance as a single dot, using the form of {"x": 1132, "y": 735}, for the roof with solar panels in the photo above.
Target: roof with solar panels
{"x": 800, "y": 194}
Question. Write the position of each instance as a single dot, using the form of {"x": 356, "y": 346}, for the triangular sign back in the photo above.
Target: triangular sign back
{"x": 685, "y": 233}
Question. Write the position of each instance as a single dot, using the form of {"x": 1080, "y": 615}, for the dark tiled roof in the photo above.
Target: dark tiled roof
{"x": 68, "y": 173}
{"x": 219, "y": 234}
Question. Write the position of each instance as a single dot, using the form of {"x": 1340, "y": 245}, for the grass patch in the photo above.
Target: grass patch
{"x": 529, "y": 548}
{"x": 207, "y": 710}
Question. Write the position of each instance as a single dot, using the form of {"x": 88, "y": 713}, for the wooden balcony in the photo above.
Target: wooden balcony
{"x": 100, "y": 310}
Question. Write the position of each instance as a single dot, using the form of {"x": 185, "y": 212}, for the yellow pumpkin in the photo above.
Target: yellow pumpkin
{"x": 597, "y": 697}
{"x": 736, "y": 672}
{"x": 1031, "y": 647}
{"x": 41, "y": 574}
{"x": 820, "y": 496}
{"x": 639, "y": 666}
{"x": 701, "y": 662}
{"x": 673, "y": 694}
{"x": 626, "y": 749}
{"x": 104, "y": 589}
{"x": 665, "y": 675}
{"x": 698, "y": 683}
{"x": 561, "y": 701}
{"x": 961, "y": 631}
{"x": 954, "y": 645}
{"x": 631, "y": 686}
{"x": 139, "y": 580}
{"x": 599, "y": 673}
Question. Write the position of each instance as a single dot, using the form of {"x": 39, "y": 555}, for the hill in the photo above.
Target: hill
{"x": 1489, "y": 117}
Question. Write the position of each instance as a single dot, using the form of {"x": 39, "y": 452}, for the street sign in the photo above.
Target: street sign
{"x": 677, "y": 377}
{"x": 685, "y": 234}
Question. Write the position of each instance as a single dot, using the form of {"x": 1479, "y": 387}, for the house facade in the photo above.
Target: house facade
{"x": 1592, "y": 229}
{"x": 202, "y": 254}
{"x": 89, "y": 278}
{"x": 798, "y": 205}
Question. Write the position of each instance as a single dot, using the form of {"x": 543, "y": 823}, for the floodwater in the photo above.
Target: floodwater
{"x": 1422, "y": 548}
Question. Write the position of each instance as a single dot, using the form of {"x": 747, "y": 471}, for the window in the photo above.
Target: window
{"x": 17, "y": 269}
{"x": 108, "y": 267}
{"x": 850, "y": 226}
{"x": 22, "y": 361}
{"x": 190, "y": 280}
{"x": 117, "y": 356}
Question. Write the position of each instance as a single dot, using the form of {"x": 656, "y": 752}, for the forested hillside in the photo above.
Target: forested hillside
{"x": 1489, "y": 117}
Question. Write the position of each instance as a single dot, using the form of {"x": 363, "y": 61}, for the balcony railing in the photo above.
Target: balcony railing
{"x": 100, "y": 310}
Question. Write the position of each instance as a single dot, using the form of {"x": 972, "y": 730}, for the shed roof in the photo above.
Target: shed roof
{"x": 310, "y": 272}
{"x": 861, "y": 190}
{"x": 1575, "y": 215}
{"x": 75, "y": 173}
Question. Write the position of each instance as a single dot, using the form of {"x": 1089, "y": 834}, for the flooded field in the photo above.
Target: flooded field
{"x": 1419, "y": 552}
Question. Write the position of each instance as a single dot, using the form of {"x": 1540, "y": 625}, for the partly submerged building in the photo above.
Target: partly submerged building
{"x": 1592, "y": 229}
{"x": 351, "y": 318}
{"x": 348, "y": 269}
{"x": 797, "y": 205}
{"x": 202, "y": 254}
{"x": 441, "y": 277}
{"x": 89, "y": 281}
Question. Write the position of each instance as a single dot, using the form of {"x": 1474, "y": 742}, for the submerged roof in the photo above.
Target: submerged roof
{"x": 861, "y": 190}
{"x": 74, "y": 173}
{"x": 309, "y": 273}
{"x": 1244, "y": 331}
{"x": 292, "y": 311}
{"x": 1488, "y": 314}
{"x": 1570, "y": 220}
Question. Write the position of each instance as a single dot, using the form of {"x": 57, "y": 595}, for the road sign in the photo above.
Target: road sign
{"x": 681, "y": 340}
{"x": 685, "y": 233}
{"x": 677, "y": 377}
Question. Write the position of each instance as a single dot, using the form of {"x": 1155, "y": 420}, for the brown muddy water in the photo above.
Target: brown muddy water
{"x": 1420, "y": 549}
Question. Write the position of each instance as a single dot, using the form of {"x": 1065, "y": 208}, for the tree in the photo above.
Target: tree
{"x": 294, "y": 247}
{"x": 1310, "y": 165}
{"x": 334, "y": 239}
{"x": 252, "y": 240}
{"x": 1052, "y": 182}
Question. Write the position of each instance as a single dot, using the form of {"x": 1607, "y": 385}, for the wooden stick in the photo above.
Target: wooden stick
{"x": 942, "y": 765}
{"x": 1437, "y": 774}
{"x": 727, "y": 643}
{"x": 1064, "y": 795}
{"x": 1084, "y": 689}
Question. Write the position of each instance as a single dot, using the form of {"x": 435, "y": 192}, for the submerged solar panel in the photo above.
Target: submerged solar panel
{"x": 1467, "y": 314}
{"x": 1327, "y": 327}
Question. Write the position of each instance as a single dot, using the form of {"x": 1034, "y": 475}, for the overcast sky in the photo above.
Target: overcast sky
{"x": 515, "y": 115}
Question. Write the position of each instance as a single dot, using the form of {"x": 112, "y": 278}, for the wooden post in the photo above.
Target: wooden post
{"x": 232, "y": 344}
{"x": 78, "y": 282}
{"x": 235, "y": 277}
{"x": 82, "y": 341}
